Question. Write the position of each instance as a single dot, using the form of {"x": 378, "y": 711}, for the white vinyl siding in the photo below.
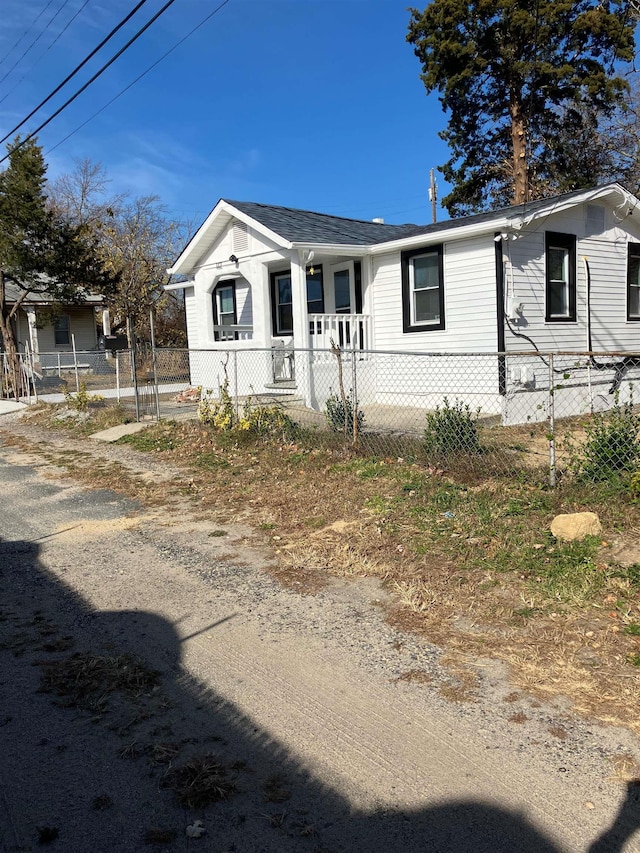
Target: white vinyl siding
{"x": 470, "y": 312}
{"x": 191, "y": 314}
{"x": 605, "y": 257}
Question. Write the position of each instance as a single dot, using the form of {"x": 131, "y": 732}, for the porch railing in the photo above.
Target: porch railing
{"x": 233, "y": 333}
{"x": 348, "y": 331}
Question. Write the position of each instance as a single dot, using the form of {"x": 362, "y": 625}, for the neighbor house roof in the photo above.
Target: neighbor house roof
{"x": 289, "y": 227}
{"x": 13, "y": 293}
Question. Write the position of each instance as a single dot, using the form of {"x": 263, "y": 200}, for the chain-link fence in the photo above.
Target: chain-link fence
{"x": 487, "y": 412}
{"x": 482, "y": 412}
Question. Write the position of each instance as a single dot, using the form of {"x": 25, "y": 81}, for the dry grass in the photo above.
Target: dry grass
{"x": 86, "y": 680}
{"x": 469, "y": 558}
{"x": 414, "y": 676}
{"x": 198, "y": 782}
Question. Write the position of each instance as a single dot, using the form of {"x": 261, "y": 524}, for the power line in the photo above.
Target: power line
{"x": 30, "y": 27}
{"x": 138, "y": 78}
{"x": 91, "y": 80}
{"x": 79, "y": 67}
{"x": 35, "y": 41}
{"x": 39, "y": 59}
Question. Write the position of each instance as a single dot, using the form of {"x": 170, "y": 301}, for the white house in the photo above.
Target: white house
{"x": 561, "y": 274}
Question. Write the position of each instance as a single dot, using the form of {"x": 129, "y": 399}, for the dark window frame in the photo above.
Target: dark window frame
{"x": 273, "y": 277}
{"x": 230, "y": 282}
{"x": 405, "y": 263}
{"x": 60, "y": 332}
{"x": 633, "y": 250}
{"x": 568, "y": 242}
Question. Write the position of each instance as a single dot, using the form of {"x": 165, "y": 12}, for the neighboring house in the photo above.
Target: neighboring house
{"x": 562, "y": 274}
{"x": 46, "y": 329}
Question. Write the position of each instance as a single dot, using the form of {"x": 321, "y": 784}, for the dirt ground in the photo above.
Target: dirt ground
{"x": 161, "y": 690}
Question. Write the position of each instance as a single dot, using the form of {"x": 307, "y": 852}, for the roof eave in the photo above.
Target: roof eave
{"x": 333, "y": 248}
{"x": 459, "y": 232}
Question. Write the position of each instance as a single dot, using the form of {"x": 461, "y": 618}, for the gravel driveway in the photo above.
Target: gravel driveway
{"x": 325, "y": 726}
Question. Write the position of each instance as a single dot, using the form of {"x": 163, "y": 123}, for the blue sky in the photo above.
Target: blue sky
{"x": 315, "y": 104}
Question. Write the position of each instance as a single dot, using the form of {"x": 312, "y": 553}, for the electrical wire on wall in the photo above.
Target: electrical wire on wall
{"x": 620, "y": 367}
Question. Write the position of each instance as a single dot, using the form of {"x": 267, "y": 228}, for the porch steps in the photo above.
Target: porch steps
{"x": 285, "y": 385}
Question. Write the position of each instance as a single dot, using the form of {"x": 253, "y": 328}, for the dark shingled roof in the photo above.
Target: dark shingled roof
{"x": 305, "y": 226}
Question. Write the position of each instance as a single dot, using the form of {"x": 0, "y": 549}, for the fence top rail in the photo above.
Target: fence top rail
{"x": 422, "y": 353}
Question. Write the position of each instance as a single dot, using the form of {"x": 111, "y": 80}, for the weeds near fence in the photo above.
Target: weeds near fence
{"x": 341, "y": 415}
{"x": 452, "y": 429}
{"x": 612, "y": 446}
{"x": 255, "y": 420}
{"x": 82, "y": 399}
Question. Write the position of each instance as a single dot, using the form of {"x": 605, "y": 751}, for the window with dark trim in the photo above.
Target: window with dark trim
{"x": 633, "y": 281}
{"x": 422, "y": 290}
{"x": 281, "y": 298}
{"x": 224, "y": 310}
{"x": 61, "y": 330}
{"x": 315, "y": 290}
{"x": 560, "y": 278}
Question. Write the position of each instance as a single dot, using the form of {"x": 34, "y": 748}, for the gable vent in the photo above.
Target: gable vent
{"x": 595, "y": 219}
{"x": 240, "y": 237}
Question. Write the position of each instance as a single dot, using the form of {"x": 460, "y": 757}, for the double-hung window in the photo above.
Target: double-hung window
{"x": 281, "y": 293}
{"x": 560, "y": 276}
{"x": 62, "y": 331}
{"x": 282, "y": 303}
{"x": 224, "y": 311}
{"x": 633, "y": 281}
{"x": 423, "y": 290}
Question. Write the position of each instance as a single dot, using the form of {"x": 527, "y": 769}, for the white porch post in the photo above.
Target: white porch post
{"x": 106, "y": 322}
{"x": 204, "y": 308}
{"x": 34, "y": 343}
{"x": 257, "y": 275}
{"x": 301, "y": 327}
{"x": 367, "y": 299}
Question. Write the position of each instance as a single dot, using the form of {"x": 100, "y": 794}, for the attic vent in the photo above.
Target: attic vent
{"x": 595, "y": 219}
{"x": 240, "y": 237}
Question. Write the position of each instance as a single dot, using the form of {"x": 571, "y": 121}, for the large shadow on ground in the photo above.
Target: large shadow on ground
{"x": 89, "y": 774}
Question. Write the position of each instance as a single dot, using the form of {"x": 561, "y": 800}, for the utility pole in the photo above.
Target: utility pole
{"x": 433, "y": 194}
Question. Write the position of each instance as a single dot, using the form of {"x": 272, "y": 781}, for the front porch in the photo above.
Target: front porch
{"x": 348, "y": 331}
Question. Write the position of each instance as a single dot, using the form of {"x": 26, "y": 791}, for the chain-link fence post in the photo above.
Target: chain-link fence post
{"x": 551, "y": 421}
{"x": 134, "y": 365}
{"x": 354, "y": 395}
{"x": 235, "y": 383}
{"x": 154, "y": 364}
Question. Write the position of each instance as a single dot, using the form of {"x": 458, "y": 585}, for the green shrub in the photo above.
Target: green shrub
{"x": 452, "y": 429}
{"x": 612, "y": 445}
{"x": 340, "y": 417}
